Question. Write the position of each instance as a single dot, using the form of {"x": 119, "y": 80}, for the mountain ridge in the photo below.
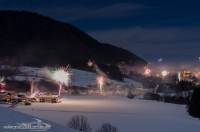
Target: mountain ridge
{"x": 36, "y": 40}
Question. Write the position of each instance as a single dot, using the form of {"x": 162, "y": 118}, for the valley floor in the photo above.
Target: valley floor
{"x": 128, "y": 115}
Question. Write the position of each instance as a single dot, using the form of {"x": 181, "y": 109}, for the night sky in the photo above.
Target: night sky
{"x": 150, "y": 29}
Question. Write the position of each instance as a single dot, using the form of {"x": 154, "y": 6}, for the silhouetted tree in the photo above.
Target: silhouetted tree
{"x": 194, "y": 104}
{"x": 183, "y": 88}
{"x": 107, "y": 127}
{"x": 130, "y": 95}
{"x": 80, "y": 123}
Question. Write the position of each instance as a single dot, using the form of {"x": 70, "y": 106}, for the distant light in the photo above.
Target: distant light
{"x": 157, "y": 75}
{"x": 164, "y": 73}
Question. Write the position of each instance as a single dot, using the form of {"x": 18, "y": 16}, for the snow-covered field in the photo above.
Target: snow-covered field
{"x": 129, "y": 115}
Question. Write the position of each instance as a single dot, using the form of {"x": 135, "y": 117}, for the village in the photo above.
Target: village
{"x": 11, "y": 98}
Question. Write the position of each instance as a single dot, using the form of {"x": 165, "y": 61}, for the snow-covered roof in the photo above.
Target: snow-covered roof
{"x": 47, "y": 96}
{"x": 5, "y": 93}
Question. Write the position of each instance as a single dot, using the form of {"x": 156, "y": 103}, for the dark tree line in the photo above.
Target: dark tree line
{"x": 193, "y": 106}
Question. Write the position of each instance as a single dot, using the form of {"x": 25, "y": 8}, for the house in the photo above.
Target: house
{"x": 21, "y": 97}
{"x": 6, "y": 96}
{"x": 186, "y": 73}
{"x": 48, "y": 98}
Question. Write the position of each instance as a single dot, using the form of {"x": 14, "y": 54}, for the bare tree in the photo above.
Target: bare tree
{"x": 80, "y": 123}
{"x": 107, "y": 127}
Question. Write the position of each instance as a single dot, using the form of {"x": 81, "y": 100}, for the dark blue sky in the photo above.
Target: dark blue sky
{"x": 149, "y": 28}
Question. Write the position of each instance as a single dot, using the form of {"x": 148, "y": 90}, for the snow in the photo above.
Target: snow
{"x": 78, "y": 77}
{"x": 3, "y": 93}
{"x": 84, "y": 78}
{"x": 11, "y": 117}
{"x": 126, "y": 114}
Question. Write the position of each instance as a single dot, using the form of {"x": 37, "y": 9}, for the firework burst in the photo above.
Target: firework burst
{"x": 100, "y": 81}
{"x": 61, "y": 76}
{"x": 34, "y": 94}
{"x": 2, "y": 82}
{"x": 147, "y": 71}
{"x": 90, "y": 63}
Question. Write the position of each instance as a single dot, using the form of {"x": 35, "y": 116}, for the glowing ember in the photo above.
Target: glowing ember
{"x": 61, "y": 76}
{"x": 100, "y": 81}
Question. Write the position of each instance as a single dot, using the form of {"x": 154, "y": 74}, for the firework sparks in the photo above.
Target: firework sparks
{"x": 179, "y": 76}
{"x": 61, "y": 76}
{"x": 90, "y": 63}
{"x": 34, "y": 94}
{"x": 32, "y": 84}
{"x": 100, "y": 81}
{"x": 147, "y": 71}
{"x": 2, "y": 82}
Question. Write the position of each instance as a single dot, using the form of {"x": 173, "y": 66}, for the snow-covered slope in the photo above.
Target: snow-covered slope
{"x": 78, "y": 77}
{"x": 84, "y": 78}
